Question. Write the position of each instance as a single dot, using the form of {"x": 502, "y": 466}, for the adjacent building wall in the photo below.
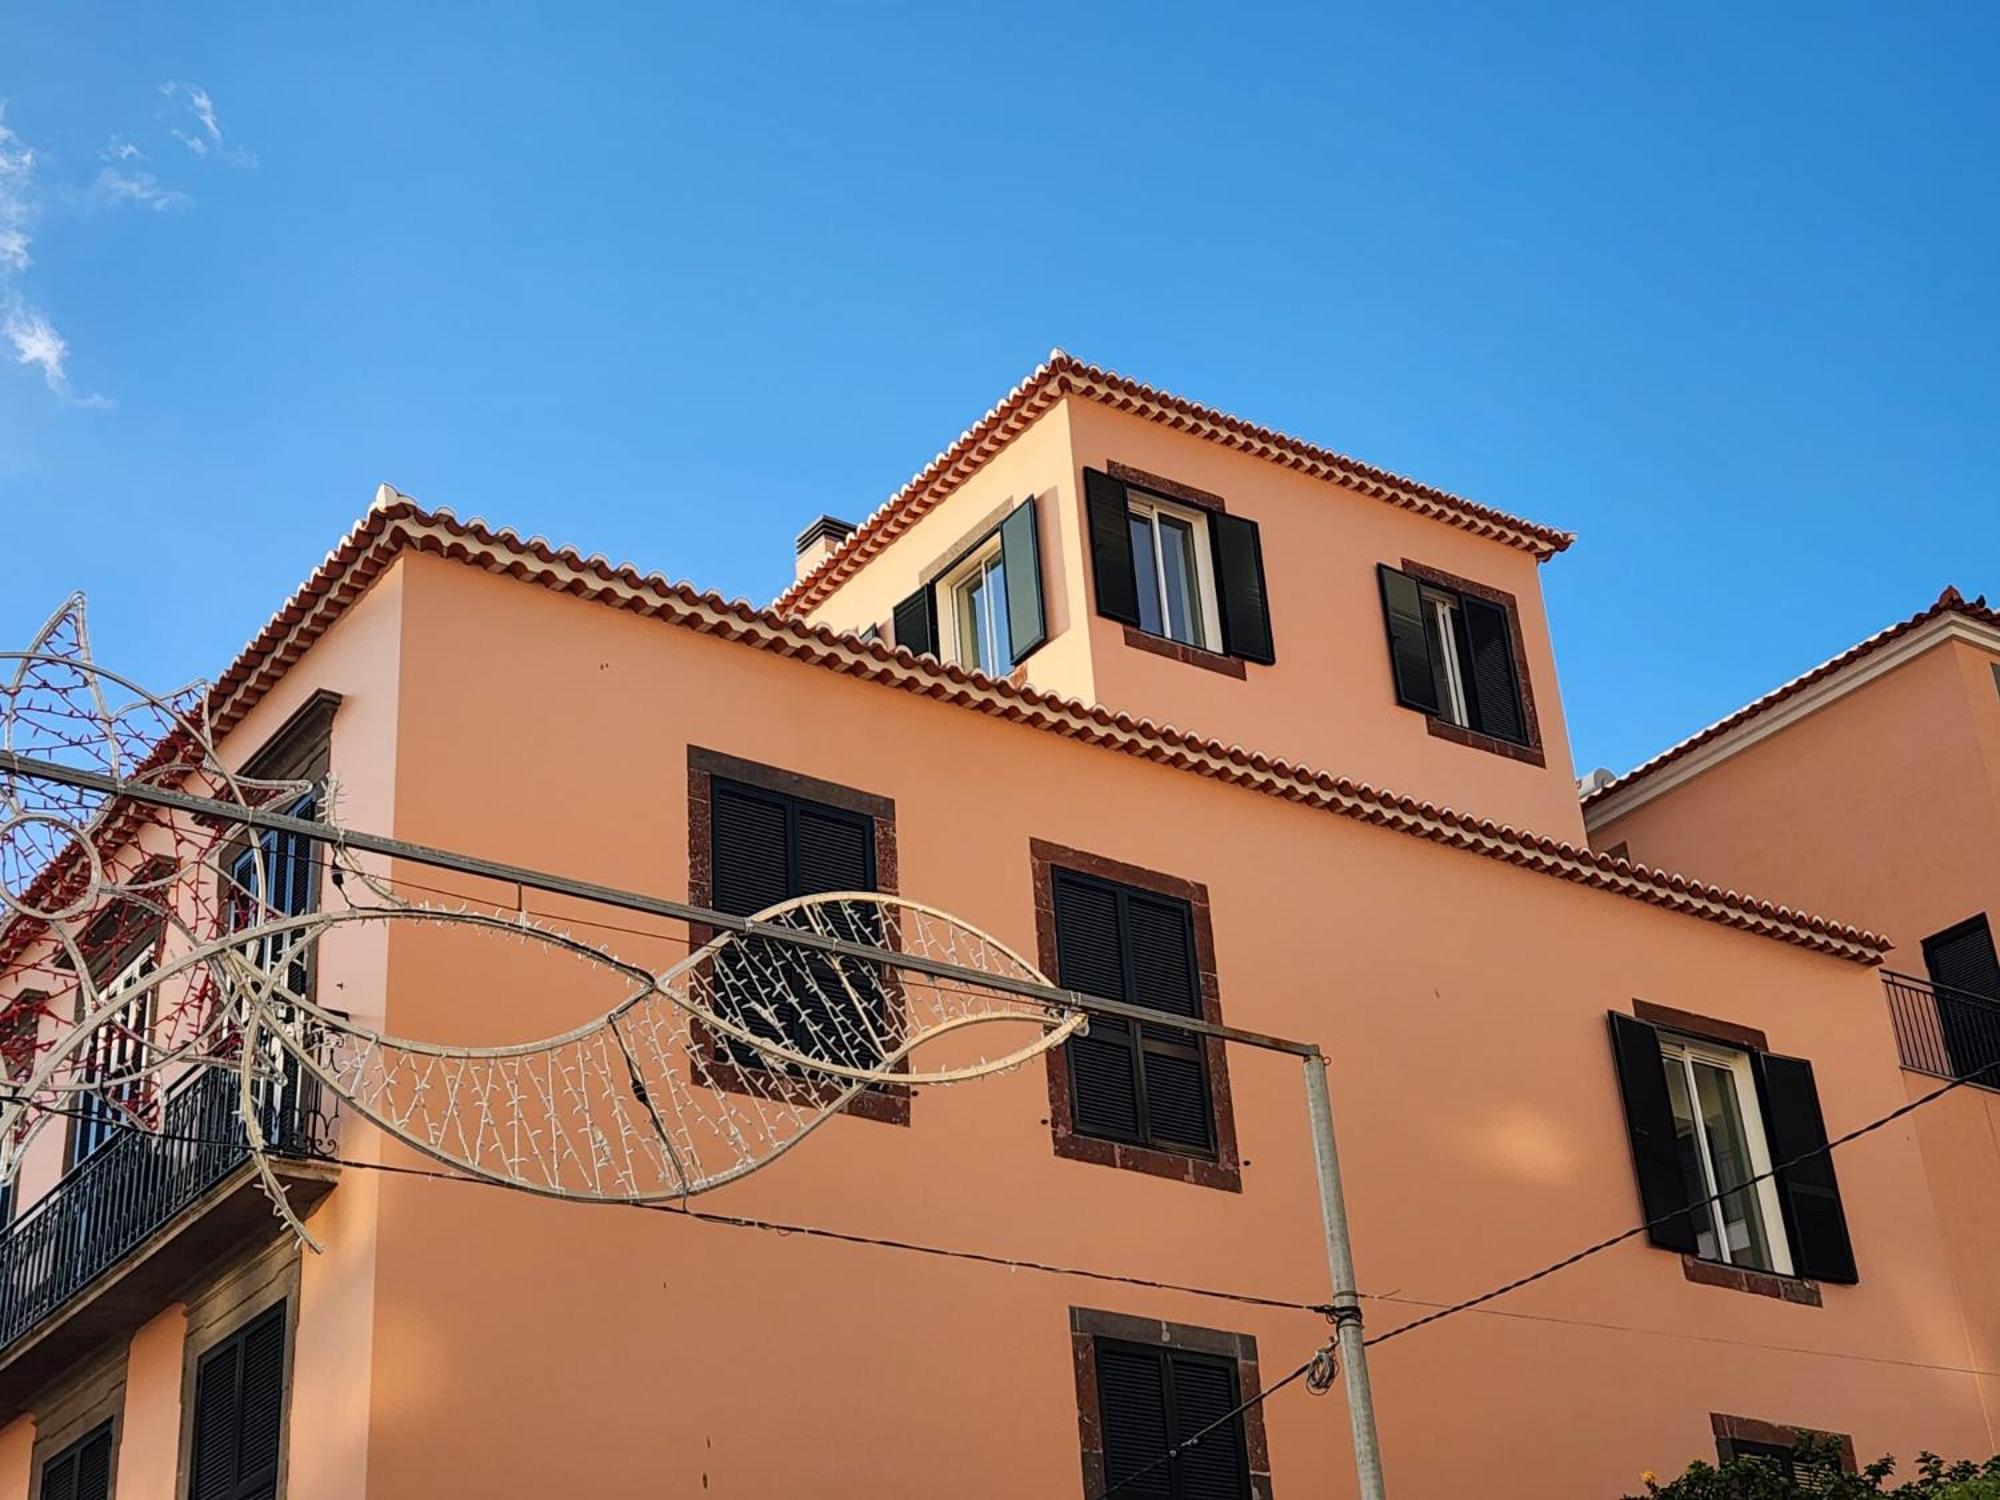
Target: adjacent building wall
{"x": 522, "y": 1346}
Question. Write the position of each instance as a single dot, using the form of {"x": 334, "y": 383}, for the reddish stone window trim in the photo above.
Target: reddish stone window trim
{"x": 1165, "y": 488}
{"x": 1531, "y": 724}
{"x": 1193, "y": 656}
{"x": 890, "y": 1103}
{"x": 1088, "y": 1325}
{"x": 1707, "y": 1027}
{"x": 1777, "y": 1434}
{"x": 1225, "y": 1171}
{"x": 1758, "y": 1283}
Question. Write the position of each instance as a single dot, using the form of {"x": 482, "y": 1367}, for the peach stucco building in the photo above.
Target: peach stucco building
{"x": 1871, "y": 785}
{"x": 1202, "y": 717}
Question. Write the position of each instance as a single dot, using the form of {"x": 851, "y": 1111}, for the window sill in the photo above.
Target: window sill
{"x": 1530, "y": 755}
{"x": 1757, "y": 1283}
{"x": 1225, "y": 1176}
{"x": 1193, "y": 656}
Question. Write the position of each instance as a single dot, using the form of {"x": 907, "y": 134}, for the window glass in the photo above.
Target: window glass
{"x": 1729, "y": 1159}
{"x": 1180, "y": 581}
{"x": 118, "y": 1051}
{"x": 979, "y": 609}
{"x": 1146, "y": 567}
{"x": 1442, "y": 630}
{"x": 1720, "y": 1141}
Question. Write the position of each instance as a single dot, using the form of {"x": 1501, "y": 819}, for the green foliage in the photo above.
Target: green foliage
{"x": 1817, "y": 1462}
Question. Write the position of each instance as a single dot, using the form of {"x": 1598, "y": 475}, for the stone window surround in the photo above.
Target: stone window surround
{"x": 1531, "y": 725}
{"x": 1799, "y": 1289}
{"x": 1225, "y": 1171}
{"x": 1088, "y": 1325}
{"x": 890, "y": 1103}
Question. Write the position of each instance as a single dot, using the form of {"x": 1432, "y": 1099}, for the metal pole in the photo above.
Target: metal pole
{"x": 1346, "y": 1300}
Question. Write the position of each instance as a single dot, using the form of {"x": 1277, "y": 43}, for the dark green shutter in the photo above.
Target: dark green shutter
{"x": 1151, "y": 1401}
{"x": 1205, "y": 1396}
{"x": 1496, "y": 694}
{"x": 1111, "y": 547}
{"x": 82, "y": 1471}
{"x": 1090, "y": 956}
{"x": 1164, "y": 978}
{"x": 1132, "y": 1406}
{"x": 1409, "y": 646}
{"x": 239, "y": 1395}
{"x": 1966, "y": 976}
{"x": 1021, "y": 557}
{"x": 1239, "y": 583}
{"x": 1816, "y": 1223}
{"x": 1649, "y": 1121}
{"x": 1963, "y": 958}
{"x": 916, "y": 623}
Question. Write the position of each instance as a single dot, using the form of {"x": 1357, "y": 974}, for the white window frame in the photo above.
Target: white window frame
{"x": 1688, "y": 1050}
{"x": 118, "y": 1049}
{"x": 982, "y": 557}
{"x": 1453, "y": 706}
{"x": 1149, "y": 508}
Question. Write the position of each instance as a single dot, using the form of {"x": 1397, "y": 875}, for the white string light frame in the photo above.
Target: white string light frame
{"x": 686, "y": 1080}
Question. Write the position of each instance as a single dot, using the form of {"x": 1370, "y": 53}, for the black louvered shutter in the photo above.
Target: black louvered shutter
{"x": 1021, "y": 558}
{"x": 1649, "y": 1120}
{"x": 1239, "y": 583}
{"x": 1111, "y": 547}
{"x": 1961, "y": 963}
{"x": 916, "y": 622}
{"x": 1409, "y": 645}
{"x": 1808, "y": 1189}
{"x": 1205, "y": 1395}
{"x": 1496, "y": 694}
{"x": 1132, "y": 1405}
{"x": 239, "y": 1395}
{"x": 1090, "y": 956}
{"x": 81, "y": 1471}
{"x": 749, "y": 867}
{"x": 1161, "y": 939}
{"x": 1963, "y": 958}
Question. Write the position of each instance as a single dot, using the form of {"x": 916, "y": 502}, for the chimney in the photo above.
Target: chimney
{"x": 817, "y": 542}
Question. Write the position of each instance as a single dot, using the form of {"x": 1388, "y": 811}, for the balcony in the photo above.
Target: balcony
{"x": 124, "y": 1231}
{"x": 1944, "y": 1032}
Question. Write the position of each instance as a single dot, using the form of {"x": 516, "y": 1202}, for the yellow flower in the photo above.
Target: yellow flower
{"x": 1647, "y": 1476}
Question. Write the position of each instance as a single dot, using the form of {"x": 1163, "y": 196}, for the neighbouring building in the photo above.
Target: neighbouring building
{"x": 1205, "y": 718}
{"x": 1872, "y": 784}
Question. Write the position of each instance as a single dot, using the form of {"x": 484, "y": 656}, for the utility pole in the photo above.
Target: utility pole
{"x": 1346, "y": 1298}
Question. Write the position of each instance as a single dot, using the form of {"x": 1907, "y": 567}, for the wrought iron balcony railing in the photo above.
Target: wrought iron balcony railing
{"x": 1945, "y": 1032}
{"x": 110, "y": 1204}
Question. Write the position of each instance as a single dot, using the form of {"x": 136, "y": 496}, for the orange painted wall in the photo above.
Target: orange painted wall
{"x": 524, "y": 1347}
{"x": 1883, "y": 807}
{"x": 1329, "y": 701}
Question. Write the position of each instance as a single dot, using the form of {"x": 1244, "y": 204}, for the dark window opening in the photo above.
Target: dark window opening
{"x": 239, "y": 1396}
{"x": 768, "y": 847}
{"x": 1146, "y": 1084}
{"x": 1453, "y": 656}
{"x": 82, "y": 1471}
{"x": 1150, "y": 1400}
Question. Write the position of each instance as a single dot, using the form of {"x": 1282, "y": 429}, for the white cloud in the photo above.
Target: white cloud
{"x": 35, "y": 340}
{"x": 114, "y": 186}
{"x": 37, "y": 343}
{"x": 206, "y": 135}
{"x": 120, "y": 149}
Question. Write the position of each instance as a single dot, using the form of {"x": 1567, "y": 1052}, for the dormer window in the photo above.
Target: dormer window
{"x": 1173, "y": 566}
{"x": 983, "y": 607}
{"x": 1455, "y": 655}
{"x": 980, "y": 635}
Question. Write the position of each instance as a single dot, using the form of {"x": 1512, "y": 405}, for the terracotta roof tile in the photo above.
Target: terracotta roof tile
{"x": 1064, "y": 375}
{"x": 396, "y": 524}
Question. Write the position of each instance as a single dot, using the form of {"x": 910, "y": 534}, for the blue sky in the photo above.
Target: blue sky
{"x": 1712, "y": 286}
